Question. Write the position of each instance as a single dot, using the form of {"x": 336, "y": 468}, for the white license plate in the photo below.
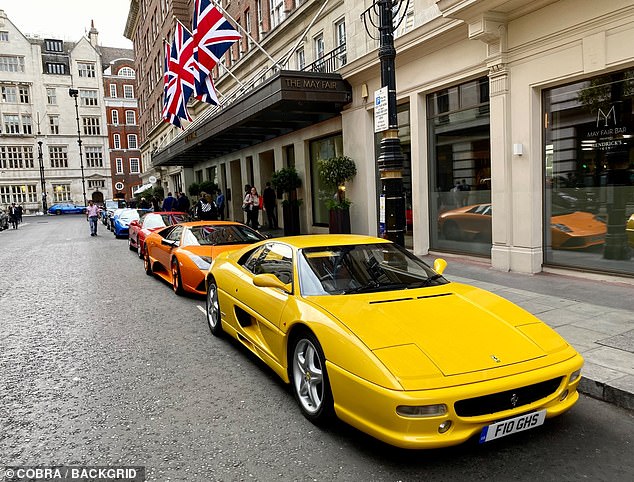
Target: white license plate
{"x": 512, "y": 425}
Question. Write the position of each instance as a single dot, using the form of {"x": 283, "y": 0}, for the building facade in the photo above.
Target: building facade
{"x": 515, "y": 120}
{"x": 122, "y": 114}
{"x": 40, "y": 155}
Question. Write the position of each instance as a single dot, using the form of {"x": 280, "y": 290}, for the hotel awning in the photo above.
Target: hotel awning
{"x": 142, "y": 188}
{"x": 286, "y": 102}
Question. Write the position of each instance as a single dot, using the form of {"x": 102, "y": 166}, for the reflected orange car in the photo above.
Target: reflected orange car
{"x": 629, "y": 228}
{"x": 576, "y": 230}
{"x": 181, "y": 254}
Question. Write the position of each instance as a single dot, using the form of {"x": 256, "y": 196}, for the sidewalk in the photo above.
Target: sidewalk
{"x": 596, "y": 316}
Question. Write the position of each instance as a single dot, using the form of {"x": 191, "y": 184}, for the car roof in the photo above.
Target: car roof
{"x": 191, "y": 224}
{"x": 316, "y": 240}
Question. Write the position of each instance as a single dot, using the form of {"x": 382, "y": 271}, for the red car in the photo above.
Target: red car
{"x": 150, "y": 222}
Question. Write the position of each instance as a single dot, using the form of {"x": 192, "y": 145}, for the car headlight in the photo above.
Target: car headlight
{"x": 576, "y": 374}
{"x": 561, "y": 227}
{"x": 421, "y": 411}
{"x": 202, "y": 262}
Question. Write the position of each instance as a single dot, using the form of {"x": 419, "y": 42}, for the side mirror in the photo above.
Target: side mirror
{"x": 440, "y": 265}
{"x": 271, "y": 281}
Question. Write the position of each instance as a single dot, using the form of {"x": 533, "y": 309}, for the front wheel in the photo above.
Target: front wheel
{"x": 132, "y": 248}
{"x": 147, "y": 264}
{"x": 140, "y": 250}
{"x": 309, "y": 377}
{"x": 213, "y": 309}
{"x": 177, "y": 282}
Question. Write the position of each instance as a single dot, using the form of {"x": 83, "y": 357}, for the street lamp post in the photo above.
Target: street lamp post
{"x": 42, "y": 181}
{"x": 390, "y": 161}
{"x": 74, "y": 93}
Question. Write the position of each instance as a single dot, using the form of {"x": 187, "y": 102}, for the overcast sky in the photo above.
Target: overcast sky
{"x": 70, "y": 19}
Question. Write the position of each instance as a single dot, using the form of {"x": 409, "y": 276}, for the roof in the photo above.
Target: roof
{"x": 110, "y": 54}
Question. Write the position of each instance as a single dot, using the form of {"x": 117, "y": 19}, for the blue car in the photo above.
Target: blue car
{"x": 122, "y": 219}
{"x": 66, "y": 208}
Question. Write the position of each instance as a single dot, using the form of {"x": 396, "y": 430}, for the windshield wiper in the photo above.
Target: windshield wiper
{"x": 369, "y": 286}
{"x": 426, "y": 282}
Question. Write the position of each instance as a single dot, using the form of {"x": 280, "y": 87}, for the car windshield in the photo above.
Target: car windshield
{"x": 362, "y": 268}
{"x": 214, "y": 235}
{"x": 128, "y": 216}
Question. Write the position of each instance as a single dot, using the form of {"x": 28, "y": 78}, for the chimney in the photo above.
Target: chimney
{"x": 93, "y": 35}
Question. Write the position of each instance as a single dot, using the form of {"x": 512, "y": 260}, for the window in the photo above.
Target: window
{"x": 128, "y": 92}
{"x": 259, "y": 19}
{"x": 322, "y": 149}
{"x": 91, "y": 126}
{"x": 27, "y": 124}
{"x": 51, "y": 95}
{"x": 11, "y": 63}
{"x": 96, "y": 184}
{"x": 340, "y": 41}
{"x": 24, "y": 95}
{"x": 115, "y": 117}
{"x": 58, "y": 156}
{"x": 85, "y": 69}
{"x": 130, "y": 117}
{"x": 55, "y": 68}
{"x": 94, "y": 156}
{"x": 116, "y": 140}
{"x": 11, "y": 124}
{"x": 113, "y": 90}
{"x": 134, "y": 165}
{"x": 247, "y": 27}
{"x": 16, "y": 157}
{"x": 119, "y": 165}
{"x": 9, "y": 94}
{"x": 132, "y": 141}
{"x": 272, "y": 258}
{"x": 126, "y": 72}
{"x": 24, "y": 193}
{"x": 88, "y": 98}
{"x": 319, "y": 46}
{"x": 300, "y": 58}
{"x": 53, "y": 122}
{"x": 61, "y": 193}
{"x": 53, "y": 45}
{"x": 4, "y": 36}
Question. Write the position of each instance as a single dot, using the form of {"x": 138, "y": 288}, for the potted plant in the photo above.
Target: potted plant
{"x": 334, "y": 172}
{"x": 287, "y": 181}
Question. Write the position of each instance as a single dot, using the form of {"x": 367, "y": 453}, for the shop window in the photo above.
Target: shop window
{"x": 589, "y": 174}
{"x": 322, "y": 149}
{"x": 460, "y": 168}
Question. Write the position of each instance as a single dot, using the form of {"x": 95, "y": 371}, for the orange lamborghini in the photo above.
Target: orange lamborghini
{"x": 181, "y": 254}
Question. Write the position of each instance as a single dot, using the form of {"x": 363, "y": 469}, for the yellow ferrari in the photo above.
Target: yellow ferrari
{"x": 364, "y": 330}
{"x": 182, "y": 253}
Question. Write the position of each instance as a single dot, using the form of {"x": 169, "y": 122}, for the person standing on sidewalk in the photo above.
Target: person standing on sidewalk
{"x": 270, "y": 206}
{"x": 13, "y": 215}
{"x": 92, "y": 214}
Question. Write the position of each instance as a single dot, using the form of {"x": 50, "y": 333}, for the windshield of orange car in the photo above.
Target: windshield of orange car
{"x": 216, "y": 235}
{"x": 362, "y": 268}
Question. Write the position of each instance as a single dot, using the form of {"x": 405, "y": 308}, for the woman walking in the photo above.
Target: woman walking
{"x": 251, "y": 205}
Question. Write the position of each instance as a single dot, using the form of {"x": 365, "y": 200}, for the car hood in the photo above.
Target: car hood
{"x": 458, "y": 328}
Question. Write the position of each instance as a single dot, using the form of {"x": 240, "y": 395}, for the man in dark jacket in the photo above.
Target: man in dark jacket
{"x": 270, "y": 205}
{"x": 183, "y": 203}
{"x": 169, "y": 203}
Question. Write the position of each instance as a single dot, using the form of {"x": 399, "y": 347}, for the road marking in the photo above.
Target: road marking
{"x": 201, "y": 309}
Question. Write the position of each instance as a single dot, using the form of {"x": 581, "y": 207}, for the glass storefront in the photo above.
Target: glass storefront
{"x": 322, "y": 149}
{"x": 460, "y": 168}
{"x": 589, "y": 174}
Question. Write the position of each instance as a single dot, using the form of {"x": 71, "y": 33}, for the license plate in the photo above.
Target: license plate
{"x": 512, "y": 425}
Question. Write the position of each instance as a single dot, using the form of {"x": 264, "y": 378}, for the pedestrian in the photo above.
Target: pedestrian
{"x": 206, "y": 208}
{"x": 92, "y": 214}
{"x": 251, "y": 205}
{"x": 183, "y": 203}
{"x": 220, "y": 204}
{"x": 144, "y": 204}
{"x": 155, "y": 204}
{"x": 270, "y": 205}
{"x": 19, "y": 207}
{"x": 13, "y": 215}
{"x": 169, "y": 203}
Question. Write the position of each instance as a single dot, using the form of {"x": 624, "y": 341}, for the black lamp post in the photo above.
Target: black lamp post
{"x": 74, "y": 93}
{"x": 41, "y": 159}
{"x": 390, "y": 161}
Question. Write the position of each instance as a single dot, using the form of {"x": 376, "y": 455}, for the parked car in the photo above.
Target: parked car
{"x": 109, "y": 207}
{"x": 629, "y": 229}
{"x": 181, "y": 254}
{"x": 577, "y": 230}
{"x": 66, "y": 208}
{"x": 364, "y": 330}
{"x": 150, "y": 222}
{"x": 110, "y": 218}
{"x": 122, "y": 220}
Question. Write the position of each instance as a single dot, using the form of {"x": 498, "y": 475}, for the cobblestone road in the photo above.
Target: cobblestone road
{"x": 103, "y": 365}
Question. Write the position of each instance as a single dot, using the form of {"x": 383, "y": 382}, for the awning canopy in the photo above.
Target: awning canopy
{"x": 288, "y": 101}
{"x": 142, "y": 188}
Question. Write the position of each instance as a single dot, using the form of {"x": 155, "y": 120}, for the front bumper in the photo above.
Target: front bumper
{"x": 372, "y": 409}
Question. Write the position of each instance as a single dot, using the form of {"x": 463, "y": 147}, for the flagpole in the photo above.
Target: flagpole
{"x": 219, "y": 7}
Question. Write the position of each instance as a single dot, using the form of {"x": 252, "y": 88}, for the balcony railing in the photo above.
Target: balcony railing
{"x": 330, "y": 62}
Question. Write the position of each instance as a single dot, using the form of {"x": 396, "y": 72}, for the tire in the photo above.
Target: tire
{"x": 309, "y": 379}
{"x": 58, "y": 212}
{"x": 213, "y": 309}
{"x": 451, "y": 231}
{"x": 177, "y": 282}
{"x": 140, "y": 250}
{"x": 147, "y": 264}
{"x": 132, "y": 248}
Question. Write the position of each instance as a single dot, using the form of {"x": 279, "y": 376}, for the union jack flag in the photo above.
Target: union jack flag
{"x": 213, "y": 36}
{"x": 179, "y": 76}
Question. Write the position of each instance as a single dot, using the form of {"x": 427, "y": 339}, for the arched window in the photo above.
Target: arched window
{"x": 126, "y": 72}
